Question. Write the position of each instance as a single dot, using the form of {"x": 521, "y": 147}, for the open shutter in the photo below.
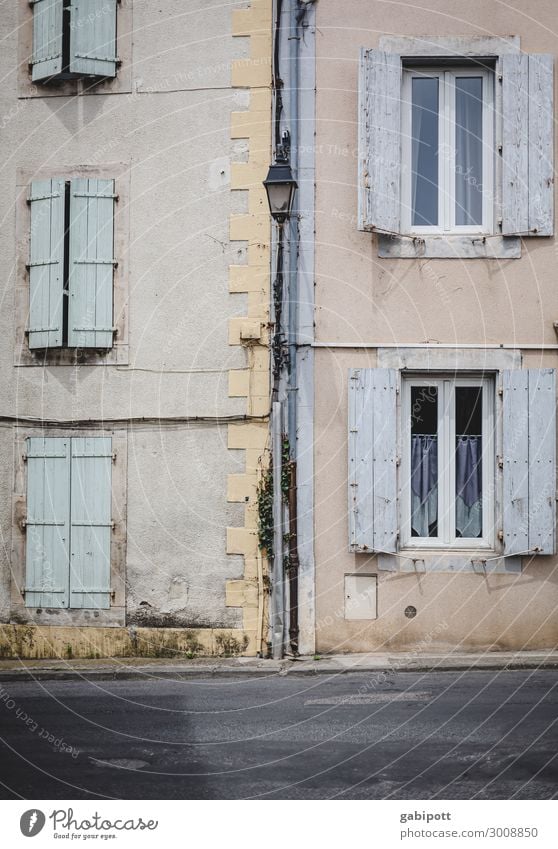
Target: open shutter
{"x": 528, "y": 146}
{"x": 91, "y": 263}
{"x": 93, "y": 37}
{"x": 47, "y": 523}
{"x": 47, "y": 39}
{"x": 372, "y": 460}
{"x": 46, "y": 263}
{"x": 91, "y": 525}
{"x": 379, "y": 178}
{"x": 529, "y": 449}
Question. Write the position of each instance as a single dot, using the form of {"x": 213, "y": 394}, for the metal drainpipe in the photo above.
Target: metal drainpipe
{"x": 296, "y": 15}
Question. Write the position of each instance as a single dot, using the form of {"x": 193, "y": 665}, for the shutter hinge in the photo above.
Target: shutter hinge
{"x": 501, "y": 536}
{"x": 24, "y": 458}
{"x": 23, "y": 525}
{"x": 500, "y": 461}
{"x": 500, "y": 77}
{"x": 500, "y": 391}
{"x": 113, "y": 525}
{"x": 398, "y": 461}
{"x": 114, "y": 456}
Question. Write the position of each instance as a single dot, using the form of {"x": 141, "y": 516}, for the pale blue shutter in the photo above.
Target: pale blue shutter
{"x": 529, "y": 455}
{"x": 46, "y": 60}
{"x": 91, "y": 522}
{"x": 46, "y": 264}
{"x": 379, "y": 179}
{"x": 93, "y": 37}
{"x": 90, "y": 321}
{"x": 528, "y": 144}
{"x": 48, "y": 522}
{"x": 372, "y": 460}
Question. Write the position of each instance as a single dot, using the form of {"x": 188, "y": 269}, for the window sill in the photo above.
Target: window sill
{"x": 449, "y": 247}
{"x": 477, "y": 561}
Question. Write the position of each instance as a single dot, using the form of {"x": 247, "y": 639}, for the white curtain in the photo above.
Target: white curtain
{"x": 424, "y": 483}
{"x": 468, "y": 478}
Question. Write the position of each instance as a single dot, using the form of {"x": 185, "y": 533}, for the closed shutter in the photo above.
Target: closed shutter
{"x": 46, "y": 263}
{"x": 379, "y": 157}
{"x": 529, "y": 454}
{"x": 93, "y": 37}
{"x": 47, "y": 39}
{"x": 372, "y": 460}
{"x": 90, "y": 319}
{"x": 528, "y": 145}
{"x": 91, "y": 527}
{"x": 48, "y": 522}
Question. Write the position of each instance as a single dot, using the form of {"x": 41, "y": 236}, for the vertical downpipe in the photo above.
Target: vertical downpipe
{"x": 277, "y": 581}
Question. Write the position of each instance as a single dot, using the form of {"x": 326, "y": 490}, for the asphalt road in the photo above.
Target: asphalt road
{"x": 452, "y": 735}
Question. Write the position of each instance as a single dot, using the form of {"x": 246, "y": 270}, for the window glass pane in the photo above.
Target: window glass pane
{"x": 424, "y": 166}
{"x": 468, "y": 150}
{"x": 468, "y": 461}
{"x": 424, "y": 461}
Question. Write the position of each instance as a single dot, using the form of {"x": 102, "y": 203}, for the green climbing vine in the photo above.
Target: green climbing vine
{"x": 264, "y": 496}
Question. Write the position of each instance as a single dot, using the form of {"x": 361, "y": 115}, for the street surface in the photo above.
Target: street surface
{"x": 380, "y": 735}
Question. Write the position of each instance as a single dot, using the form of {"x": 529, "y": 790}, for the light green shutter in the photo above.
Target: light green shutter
{"x": 90, "y": 319}
{"x": 48, "y": 522}
{"x": 46, "y": 263}
{"x": 93, "y": 37}
{"x": 46, "y": 60}
{"x": 91, "y": 527}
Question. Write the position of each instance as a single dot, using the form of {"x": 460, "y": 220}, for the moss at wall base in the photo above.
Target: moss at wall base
{"x": 40, "y": 641}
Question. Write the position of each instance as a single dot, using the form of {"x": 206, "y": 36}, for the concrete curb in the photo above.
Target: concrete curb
{"x": 252, "y": 668}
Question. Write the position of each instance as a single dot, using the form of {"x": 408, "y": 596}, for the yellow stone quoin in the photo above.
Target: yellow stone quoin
{"x": 251, "y": 331}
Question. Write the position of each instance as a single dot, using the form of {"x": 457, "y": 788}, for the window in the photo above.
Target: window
{"x": 447, "y": 479}
{"x": 454, "y": 149}
{"x": 69, "y": 522}
{"x": 422, "y": 471}
{"x": 73, "y": 39}
{"x": 447, "y": 150}
{"x": 71, "y": 263}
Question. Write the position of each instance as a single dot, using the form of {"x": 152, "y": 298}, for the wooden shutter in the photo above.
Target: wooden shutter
{"x": 91, "y": 527}
{"x": 48, "y": 518}
{"x": 529, "y": 449}
{"x": 528, "y": 145}
{"x": 379, "y": 178}
{"x": 46, "y": 60}
{"x": 46, "y": 263}
{"x": 91, "y": 263}
{"x": 93, "y": 37}
{"x": 372, "y": 460}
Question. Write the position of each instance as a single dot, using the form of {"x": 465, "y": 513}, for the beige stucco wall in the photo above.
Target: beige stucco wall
{"x": 363, "y": 299}
{"x": 174, "y": 130}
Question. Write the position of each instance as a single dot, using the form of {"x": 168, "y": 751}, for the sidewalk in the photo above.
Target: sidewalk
{"x": 137, "y": 668}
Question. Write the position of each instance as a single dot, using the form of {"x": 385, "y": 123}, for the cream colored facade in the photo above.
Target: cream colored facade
{"x": 185, "y": 127}
{"x": 368, "y": 307}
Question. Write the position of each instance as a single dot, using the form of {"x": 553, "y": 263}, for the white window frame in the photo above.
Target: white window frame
{"x": 446, "y": 538}
{"x": 446, "y": 164}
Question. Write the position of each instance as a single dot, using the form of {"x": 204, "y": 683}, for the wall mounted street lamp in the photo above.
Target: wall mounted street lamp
{"x": 280, "y": 186}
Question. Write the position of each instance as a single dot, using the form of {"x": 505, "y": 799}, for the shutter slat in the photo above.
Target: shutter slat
{"x": 91, "y": 522}
{"x": 48, "y": 520}
{"x": 380, "y": 141}
{"x": 542, "y": 460}
{"x": 516, "y": 461}
{"x": 46, "y": 264}
{"x": 372, "y": 460}
{"x": 385, "y": 460}
{"x": 46, "y": 60}
{"x": 528, "y": 150}
{"x": 529, "y": 477}
{"x": 93, "y": 38}
{"x": 91, "y": 263}
{"x": 541, "y": 144}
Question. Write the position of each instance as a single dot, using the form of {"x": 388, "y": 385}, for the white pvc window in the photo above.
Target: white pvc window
{"x": 448, "y": 150}
{"x": 447, "y": 468}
